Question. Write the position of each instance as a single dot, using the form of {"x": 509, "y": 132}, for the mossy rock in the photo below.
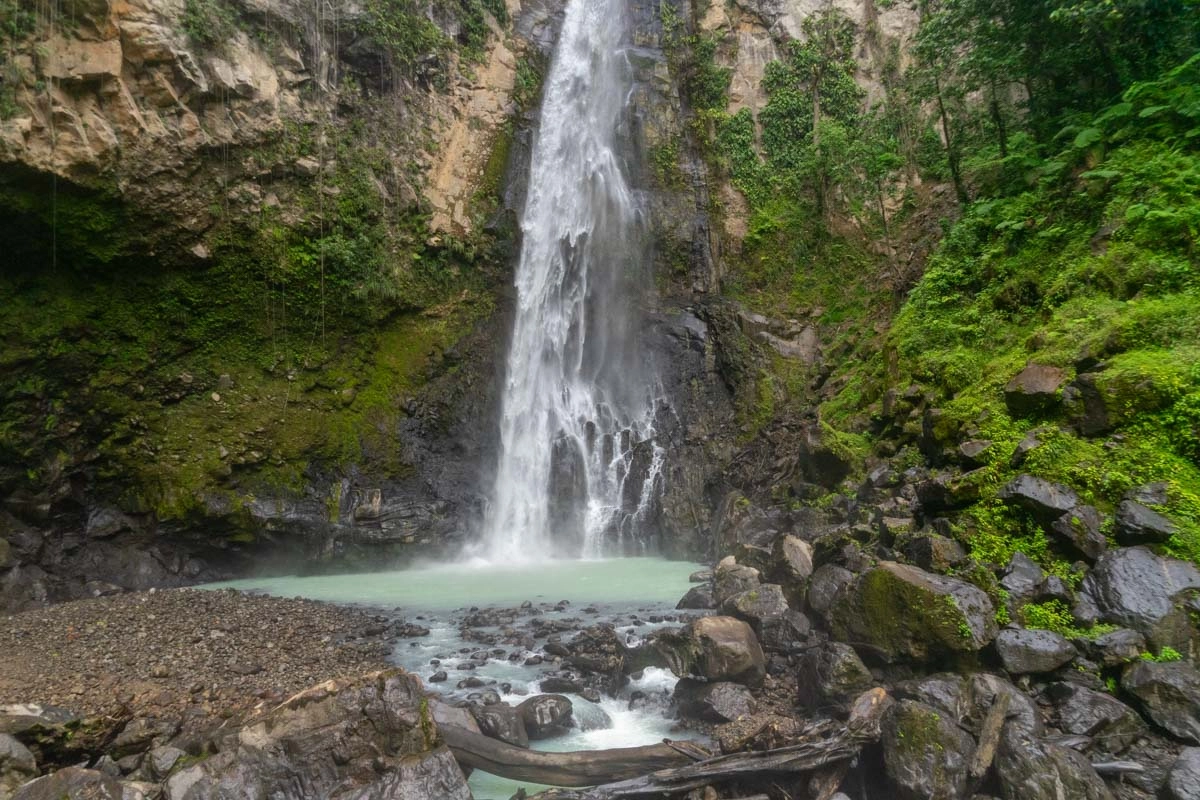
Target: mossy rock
{"x": 896, "y": 612}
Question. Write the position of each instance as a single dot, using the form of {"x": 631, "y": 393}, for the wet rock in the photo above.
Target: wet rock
{"x": 17, "y": 764}
{"x": 732, "y": 578}
{"x": 898, "y": 612}
{"x": 698, "y": 597}
{"x": 1022, "y": 576}
{"x": 1082, "y": 711}
{"x": 1034, "y": 390}
{"x": 1169, "y": 696}
{"x": 759, "y": 607}
{"x": 982, "y": 691}
{"x": 1054, "y": 588}
{"x": 1080, "y": 531}
{"x": 501, "y": 722}
{"x": 554, "y": 684}
{"x": 944, "y": 691}
{"x": 1031, "y": 769}
{"x": 1117, "y": 647}
{"x": 794, "y": 558}
{"x": 438, "y": 677}
{"x": 545, "y": 715}
{"x": 821, "y": 462}
{"x": 1044, "y": 500}
{"x": 1137, "y": 589}
{"x": 1137, "y": 524}
{"x": 830, "y": 676}
{"x": 947, "y": 492}
{"x": 446, "y": 714}
{"x": 590, "y": 694}
{"x": 1024, "y": 651}
{"x": 925, "y": 755}
{"x": 727, "y": 650}
{"x": 718, "y": 702}
{"x": 785, "y": 631}
{"x": 1183, "y": 779}
{"x": 932, "y": 552}
{"x": 826, "y": 584}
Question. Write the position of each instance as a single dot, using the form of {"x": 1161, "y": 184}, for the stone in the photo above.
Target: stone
{"x": 701, "y": 576}
{"x": 1080, "y": 531}
{"x": 1117, "y": 647}
{"x": 1151, "y": 494}
{"x": 74, "y": 60}
{"x": 831, "y": 676}
{"x": 1137, "y": 524}
{"x": 982, "y": 691}
{"x": 545, "y": 715}
{"x": 17, "y": 718}
{"x": 972, "y": 451}
{"x": 820, "y": 461}
{"x": 446, "y": 714}
{"x": 17, "y": 765}
{"x": 501, "y": 722}
{"x": 1045, "y": 500}
{"x": 1022, "y": 576}
{"x": 718, "y": 702}
{"x": 944, "y": 691}
{"x": 372, "y": 737}
{"x": 1137, "y": 589}
{"x": 727, "y": 650}
{"x": 827, "y": 582}
{"x": 1168, "y": 694}
{"x": 1031, "y": 769}
{"x": 925, "y": 754}
{"x": 759, "y": 607}
{"x": 1024, "y": 651}
{"x": 1034, "y": 390}
{"x": 162, "y": 760}
{"x": 933, "y": 552}
{"x": 554, "y": 684}
{"x": 72, "y": 783}
{"x": 897, "y": 612}
{"x": 794, "y": 559}
{"x": 1086, "y": 712}
{"x": 699, "y": 596}
{"x": 949, "y": 492}
{"x": 782, "y": 633}
{"x": 1086, "y": 406}
{"x": 1183, "y": 778}
{"x": 731, "y": 578}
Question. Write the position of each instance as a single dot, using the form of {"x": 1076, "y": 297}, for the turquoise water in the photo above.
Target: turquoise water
{"x": 623, "y": 590}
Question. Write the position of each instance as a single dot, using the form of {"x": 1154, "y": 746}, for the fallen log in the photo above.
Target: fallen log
{"x": 577, "y": 768}
{"x": 826, "y": 744}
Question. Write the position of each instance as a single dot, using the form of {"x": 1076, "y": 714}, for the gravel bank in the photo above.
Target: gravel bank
{"x": 157, "y": 651}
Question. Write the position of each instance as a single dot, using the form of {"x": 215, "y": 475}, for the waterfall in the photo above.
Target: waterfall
{"x": 578, "y": 465}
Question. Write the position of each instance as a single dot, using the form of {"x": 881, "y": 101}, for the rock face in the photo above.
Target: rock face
{"x": 1183, "y": 780}
{"x": 1169, "y": 695}
{"x": 1027, "y": 651}
{"x": 924, "y": 753}
{"x": 897, "y": 612}
{"x": 1135, "y": 588}
{"x": 372, "y": 735}
{"x": 77, "y": 783}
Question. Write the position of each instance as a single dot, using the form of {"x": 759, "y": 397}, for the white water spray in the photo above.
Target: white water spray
{"x": 578, "y": 470}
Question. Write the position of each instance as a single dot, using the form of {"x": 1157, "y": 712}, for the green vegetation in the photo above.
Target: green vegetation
{"x": 209, "y": 22}
{"x": 1166, "y": 655}
{"x": 1054, "y": 615}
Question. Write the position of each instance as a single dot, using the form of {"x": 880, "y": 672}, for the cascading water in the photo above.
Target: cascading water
{"x": 578, "y": 468}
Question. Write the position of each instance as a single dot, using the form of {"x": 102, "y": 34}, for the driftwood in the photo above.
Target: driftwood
{"x": 825, "y": 744}
{"x": 578, "y": 768}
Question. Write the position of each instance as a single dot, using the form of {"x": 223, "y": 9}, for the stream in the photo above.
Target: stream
{"x": 628, "y": 592}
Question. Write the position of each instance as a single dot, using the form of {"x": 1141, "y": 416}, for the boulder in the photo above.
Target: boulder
{"x": 1022, "y": 576}
{"x": 75, "y": 783}
{"x": 982, "y": 691}
{"x": 925, "y": 754}
{"x": 713, "y": 702}
{"x": 1024, "y": 651}
{"x": 1137, "y": 589}
{"x": 944, "y": 691}
{"x": 1117, "y": 647}
{"x": 545, "y": 715}
{"x": 732, "y": 578}
{"x": 1031, "y": 769}
{"x": 793, "y": 559}
{"x": 372, "y": 737}
{"x": 161, "y": 760}
{"x": 932, "y": 552}
{"x": 17, "y": 718}
{"x": 1137, "y": 524}
{"x": 782, "y": 633}
{"x": 17, "y": 764}
{"x": 1183, "y": 779}
{"x": 1046, "y": 501}
{"x": 831, "y": 676}
{"x": 898, "y": 612}
{"x": 1085, "y": 712}
{"x": 699, "y": 596}
{"x": 826, "y": 583}
{"x": 1034, "y": 390}
{"x": 1169, "y": 696}
{"x": 1079, "y": 530}
{"x": 1087, "y": 406}
{"x": 501, "y": 721}
{"x": 727, "y": 650}
{"x": 759, "y": 607}
{"x": 820, "y": 459}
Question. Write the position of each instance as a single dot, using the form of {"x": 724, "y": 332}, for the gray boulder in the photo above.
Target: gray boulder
{"x": 76, "y": 783}
{"x": 731, "y": 578}
{"x": 1034, "y": 390}
{"x": 713, "y": 702}
{"x": 1137, "y": 589}
{"x": 1085, "y": 712}
{"x": 945, "y": 691}
{"x": 727, "y": 650}
{"x": 1080, "y": 530}
{"x": 17, "y": 764}
{"x": 699, "y": 596}
{"x": 831, "y": 676}
{"x": 1117, "y": 647}
{"x": 898, "y": 612}
{"x": 1137, "y": 524}
{"x": 1022, "y": 576}
{"x": 925, "y": 755}
{"x": 759, "y": 606}
{"x": 826, "y": 583}
{"x": 1025, "y": 651}
{"x": 982, "y": 691}
{"x": 1169, "y": 696}
{"x": 1031, "y": 769}
{"x": 1183, "y": 779}
{"x": 545, "y": 715}
{"x": 1045, "y": 500}
{"x": 501, "y": 721}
